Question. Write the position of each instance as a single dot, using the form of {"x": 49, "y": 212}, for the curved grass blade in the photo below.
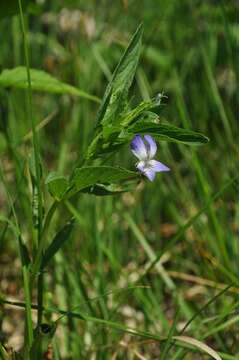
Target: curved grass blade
{"x": 199, "y": 345}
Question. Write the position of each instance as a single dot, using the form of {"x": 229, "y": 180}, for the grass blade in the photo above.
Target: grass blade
{"x": 199, "y": 345}
{"x": 3, "y": 353}
{"x": 168, "y": 343}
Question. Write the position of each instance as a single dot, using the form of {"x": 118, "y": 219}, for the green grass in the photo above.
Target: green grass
{"x": 134, "y": 272}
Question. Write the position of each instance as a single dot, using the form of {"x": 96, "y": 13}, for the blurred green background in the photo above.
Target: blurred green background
{"x": 191, "y": 53}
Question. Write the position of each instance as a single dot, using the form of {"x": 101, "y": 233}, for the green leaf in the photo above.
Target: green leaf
{"x": 167, "y": 132}
{"x": 114, "y": 99}
{"x": 11, "y": 7}
{"x": 115, "y": 136}
{"x": 40, "y": 81}
{"x": 92, "y": 175}
{"x": 117, "y": 90}
{"x": 112, "y": 189}
{"x": 57, "y": 185}
{"x": 61, "y": 237}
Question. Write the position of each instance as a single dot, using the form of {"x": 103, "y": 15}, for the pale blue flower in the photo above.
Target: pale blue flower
{"x": 145, "y": 148}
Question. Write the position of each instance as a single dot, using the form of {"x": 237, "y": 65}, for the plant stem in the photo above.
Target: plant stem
{"x": 37, "y": 262}
{"x": 33, "y": 126}
{"x": 40, "y": 287}
{"x": 28, "y": 307}
{"x": 37, "y": 173}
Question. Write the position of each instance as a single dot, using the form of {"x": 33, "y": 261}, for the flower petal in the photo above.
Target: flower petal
{"x": 146, "y": 170}
{"x": 138, "y": 148}
{"x": 151, "y": 146}
{"x": 157, "y": 166}
{"x": 141, "y": 166}
{"x": 150, "y": 174}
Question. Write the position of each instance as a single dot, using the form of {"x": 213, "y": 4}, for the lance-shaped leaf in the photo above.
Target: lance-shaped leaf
{"x": 114, "y": 99}
{"x": 40, "y": 81}
{"x": 61, "y": 237}
{"x": 117, "y": 90}
{"x": 117, "y": 137}
{"x": 92, "y": 175}
{"x": 167, "y": 132}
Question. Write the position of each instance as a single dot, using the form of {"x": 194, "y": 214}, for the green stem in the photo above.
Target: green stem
{"x": 40, "y": 289}
{"x": 33, "y": 126}
{"x": 37, "y": 262}
{"x": 35, "y": 139}
{"x": 28, "y": 308}
{"x": 37, "y": 265}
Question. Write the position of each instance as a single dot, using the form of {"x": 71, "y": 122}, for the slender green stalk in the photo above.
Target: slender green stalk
{"x": 37, "y": 262}
{"x": 29, "y": 329}
{"x": 36, "y": 152}
{"x": 170, "y": 342}
{"x": 33, "y": 125}
{"x": 40, "y": 289}
{"x": 204, "y": 307}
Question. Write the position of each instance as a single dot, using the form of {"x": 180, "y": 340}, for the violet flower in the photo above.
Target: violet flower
{"x": 145, "y": 148}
